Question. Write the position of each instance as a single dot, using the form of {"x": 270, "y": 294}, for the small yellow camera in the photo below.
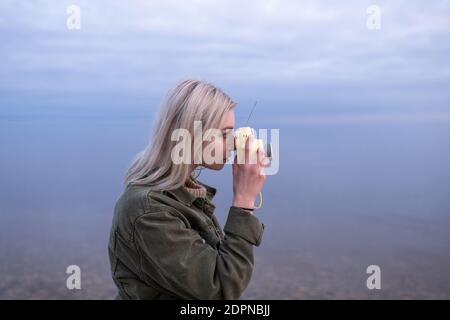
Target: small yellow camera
{"x": 241, "y": 136}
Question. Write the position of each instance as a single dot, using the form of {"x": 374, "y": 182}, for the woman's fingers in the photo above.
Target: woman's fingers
{"x": 262, "y": 159}
{"x": 253, "y": 154}
{"x": 248, "y": 149}
{"x": 235, "y": 164}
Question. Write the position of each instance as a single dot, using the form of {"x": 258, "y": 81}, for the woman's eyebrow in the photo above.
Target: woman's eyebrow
{"x": 229, "y": 127}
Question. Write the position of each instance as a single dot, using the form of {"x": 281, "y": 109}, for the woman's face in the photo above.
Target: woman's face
{"x": 223, "y": 144}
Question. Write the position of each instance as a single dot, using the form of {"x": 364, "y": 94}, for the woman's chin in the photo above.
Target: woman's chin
{"x": 216, "y": 166}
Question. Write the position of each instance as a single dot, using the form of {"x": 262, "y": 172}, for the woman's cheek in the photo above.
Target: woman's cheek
{"x": 220, "y": 149}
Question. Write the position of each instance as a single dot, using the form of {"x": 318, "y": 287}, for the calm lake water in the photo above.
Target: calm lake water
{"x": 351, "y": 192}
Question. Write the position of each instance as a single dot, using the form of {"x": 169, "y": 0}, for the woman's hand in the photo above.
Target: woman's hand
{"x": 249, "y": 177}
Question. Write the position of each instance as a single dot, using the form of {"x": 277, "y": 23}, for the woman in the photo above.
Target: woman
{"x": 166, "y": 242}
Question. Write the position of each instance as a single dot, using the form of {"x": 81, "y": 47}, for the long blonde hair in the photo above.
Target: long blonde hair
{"x": 191, "y": 100}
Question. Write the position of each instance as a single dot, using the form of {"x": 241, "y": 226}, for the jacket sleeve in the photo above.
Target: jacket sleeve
{"x": 176, "y": 258}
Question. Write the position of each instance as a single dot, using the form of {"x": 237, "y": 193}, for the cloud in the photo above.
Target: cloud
{"x": 360, "y": 119}
{"x": 146, "y": 45}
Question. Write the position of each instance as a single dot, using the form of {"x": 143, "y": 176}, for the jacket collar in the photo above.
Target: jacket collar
{"x": 183, "y": 195}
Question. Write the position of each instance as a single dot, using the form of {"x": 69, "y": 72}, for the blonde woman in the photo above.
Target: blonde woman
{"x": 166, "y": 242}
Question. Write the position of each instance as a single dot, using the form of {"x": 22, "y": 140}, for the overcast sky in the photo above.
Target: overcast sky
{"x": 140, "y": 48}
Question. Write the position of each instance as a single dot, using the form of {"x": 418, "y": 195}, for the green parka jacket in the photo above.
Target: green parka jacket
{"x": 169, "y": 245}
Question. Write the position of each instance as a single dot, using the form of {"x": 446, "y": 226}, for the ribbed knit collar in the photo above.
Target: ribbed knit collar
{"x": 196, "y": 189}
